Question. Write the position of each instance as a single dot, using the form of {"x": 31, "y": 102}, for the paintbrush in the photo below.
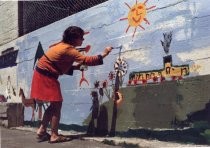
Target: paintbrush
{"x": 117, "y": 47}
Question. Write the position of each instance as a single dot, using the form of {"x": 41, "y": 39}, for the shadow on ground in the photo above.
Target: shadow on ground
{"x": 198, "y": 134}
{"x": 181, "y": 136}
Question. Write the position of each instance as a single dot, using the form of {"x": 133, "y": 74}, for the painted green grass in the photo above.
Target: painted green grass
{"x": 206, "y": 134}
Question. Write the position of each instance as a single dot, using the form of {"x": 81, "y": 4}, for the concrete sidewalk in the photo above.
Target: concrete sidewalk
{"x": 21, "y": 137}
{"x": 26, "y": 138}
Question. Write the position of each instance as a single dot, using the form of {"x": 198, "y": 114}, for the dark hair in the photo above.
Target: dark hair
{"x": 72, "y": 33}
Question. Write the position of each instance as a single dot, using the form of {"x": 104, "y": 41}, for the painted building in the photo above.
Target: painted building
{"x": 162, "y": 51}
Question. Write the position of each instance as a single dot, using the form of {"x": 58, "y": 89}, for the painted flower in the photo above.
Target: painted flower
{"x": 173, "y": 77}
{"x": 135, "y": 81}
{"x": 155, "y": 78}
{"x": 111, "y": 76}
{"x": 180, "y": 78}
{"x": 96, "y": 84}
{"x": 105, "y": 84}
{"x": 144, "y": 81}
{"x": 162, "y": 78}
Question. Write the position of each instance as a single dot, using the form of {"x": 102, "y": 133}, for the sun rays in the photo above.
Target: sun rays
{"x": 137, "y": 14}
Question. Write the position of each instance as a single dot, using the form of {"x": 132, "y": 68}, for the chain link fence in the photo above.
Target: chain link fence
{"x": 33, "y": 15}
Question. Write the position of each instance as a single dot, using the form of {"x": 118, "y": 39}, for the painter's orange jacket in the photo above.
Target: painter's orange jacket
{"x": 63, "y": 56}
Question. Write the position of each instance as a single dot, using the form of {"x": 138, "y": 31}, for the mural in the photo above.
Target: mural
{"x": 83, "y": 67}
{"x": 8, "y": 58}
{"x": 167, "y": 41}
{"x": 175, "y": 46}
{"x": 39, "y": 53}
{"x": 27, "y": 103}
{"x": 0, "y": 80}
{"x": 169, "y": 71}
{"x": 98, "y": 125}
{"x": 137, "y": 14}
{"x": 8, "y": 88}
{"x": 10, "y": 93}
{"x": 36, "y": 106}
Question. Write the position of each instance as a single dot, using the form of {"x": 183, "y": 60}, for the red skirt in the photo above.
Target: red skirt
{"x": 45, "y": 88}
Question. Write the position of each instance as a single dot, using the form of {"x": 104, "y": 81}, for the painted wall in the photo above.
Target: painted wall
{"x": 187, "y": 20}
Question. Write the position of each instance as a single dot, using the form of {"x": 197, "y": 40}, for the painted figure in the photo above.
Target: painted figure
{"x": 58, "y": 60}
{"x": 95, "y": 109}
{"x": 8, "y": 88}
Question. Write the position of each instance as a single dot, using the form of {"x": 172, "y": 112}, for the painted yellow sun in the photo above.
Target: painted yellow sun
{"x": 137, "y": 15}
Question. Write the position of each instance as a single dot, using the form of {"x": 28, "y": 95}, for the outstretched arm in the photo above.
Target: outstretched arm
{"x": 90, "y": 60}
{"x": 106, "y": 52}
